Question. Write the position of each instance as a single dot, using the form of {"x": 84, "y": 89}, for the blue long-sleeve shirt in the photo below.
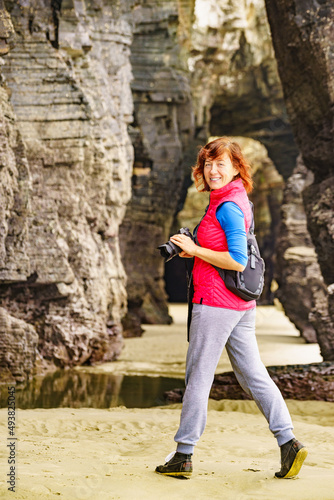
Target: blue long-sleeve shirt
{"x": 232, "y": 221}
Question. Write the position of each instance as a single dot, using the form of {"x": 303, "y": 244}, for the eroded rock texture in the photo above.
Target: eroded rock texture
{"x": 18, "y": 339}
{"x": 301, "y": 286}
{"x": 162, "y": 134}
{"x": 18, "y": 348}
{"x": 6, "y": 29}
{"x": 303, "y": 38}
{"x": 68, "y": 79}
{"x": 66, "y": 109}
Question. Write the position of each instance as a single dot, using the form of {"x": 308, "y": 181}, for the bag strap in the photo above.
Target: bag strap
{"x": 252, "y": 225}
{"x": 196, "y": 228}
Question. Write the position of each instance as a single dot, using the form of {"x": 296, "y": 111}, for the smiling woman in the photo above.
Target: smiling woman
{"x": 219, "y": 317}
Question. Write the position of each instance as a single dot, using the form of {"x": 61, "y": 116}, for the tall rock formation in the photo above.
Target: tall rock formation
{"x": 303, "y": 38}
{"x": 301, "y": 286}
{"x": 18, "y": 339}
{"x": 162, "y": 134}
{"x": 68, "y": 78}
{"x": 72, "y": 128}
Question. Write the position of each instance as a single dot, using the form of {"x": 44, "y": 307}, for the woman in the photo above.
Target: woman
{"x": 220, "y": 318}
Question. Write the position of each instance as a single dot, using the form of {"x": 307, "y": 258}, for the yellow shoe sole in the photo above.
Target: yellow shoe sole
{"x": 184, "y": 474}
{"x": 297, "y": 463}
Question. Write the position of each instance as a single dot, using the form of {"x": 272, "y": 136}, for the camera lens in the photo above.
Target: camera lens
{"x": 164, "y": 251}
{"x": 169, "y": 250}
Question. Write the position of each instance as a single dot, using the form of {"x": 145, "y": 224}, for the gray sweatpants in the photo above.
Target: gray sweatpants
{"x": 211, "y": 329}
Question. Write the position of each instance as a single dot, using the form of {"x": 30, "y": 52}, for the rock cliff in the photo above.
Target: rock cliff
{"x": 101, "y": 97}
{"x": 301, "y": 286}
{"x": 303, "y": 38}
{"x": 68, "y": 77}
{"x": 162, "y": 134}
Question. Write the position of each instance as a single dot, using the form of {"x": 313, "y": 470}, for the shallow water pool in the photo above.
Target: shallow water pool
{"x": 74, "y": 389}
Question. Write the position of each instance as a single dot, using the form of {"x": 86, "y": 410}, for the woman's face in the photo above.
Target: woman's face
{"x": 219, "y": 172}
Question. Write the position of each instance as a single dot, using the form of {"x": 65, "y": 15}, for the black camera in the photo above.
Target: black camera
{"x": 169, "y": 250}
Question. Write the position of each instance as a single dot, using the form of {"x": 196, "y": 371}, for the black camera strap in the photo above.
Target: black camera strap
{"x": 190, "y": 283}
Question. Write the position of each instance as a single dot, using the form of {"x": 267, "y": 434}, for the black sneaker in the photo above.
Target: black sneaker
{"x": 293, "y": 454}
{"x": 179, "y": 465}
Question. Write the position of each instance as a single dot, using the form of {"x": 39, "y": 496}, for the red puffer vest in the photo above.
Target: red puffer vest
{"x": 209, "y": 288}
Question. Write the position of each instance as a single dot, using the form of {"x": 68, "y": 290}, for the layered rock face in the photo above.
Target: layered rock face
{"x": 66, "y": 111}
{"x": 303, "y": 38}
{"x": 18, "y": 339}
{"x": 18, "y": 348}
{"x": 68, "y": 78}
{"x": 162, "y": 134}
{"x": 301, "y": 286}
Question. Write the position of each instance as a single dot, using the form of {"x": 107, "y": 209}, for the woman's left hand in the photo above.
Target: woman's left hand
{"x": 186, "y": 243}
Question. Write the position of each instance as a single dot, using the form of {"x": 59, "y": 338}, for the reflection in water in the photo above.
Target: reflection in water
{"x": 76, "y": 389}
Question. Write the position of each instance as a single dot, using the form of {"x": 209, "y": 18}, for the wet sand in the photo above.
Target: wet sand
{"x": 111, "y": 454}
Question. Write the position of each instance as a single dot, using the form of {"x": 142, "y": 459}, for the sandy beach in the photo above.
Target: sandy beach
{"x": 112, "y": 453}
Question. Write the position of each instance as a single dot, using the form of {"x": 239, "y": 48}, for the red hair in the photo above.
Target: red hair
{"x": 216, "y": 149}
